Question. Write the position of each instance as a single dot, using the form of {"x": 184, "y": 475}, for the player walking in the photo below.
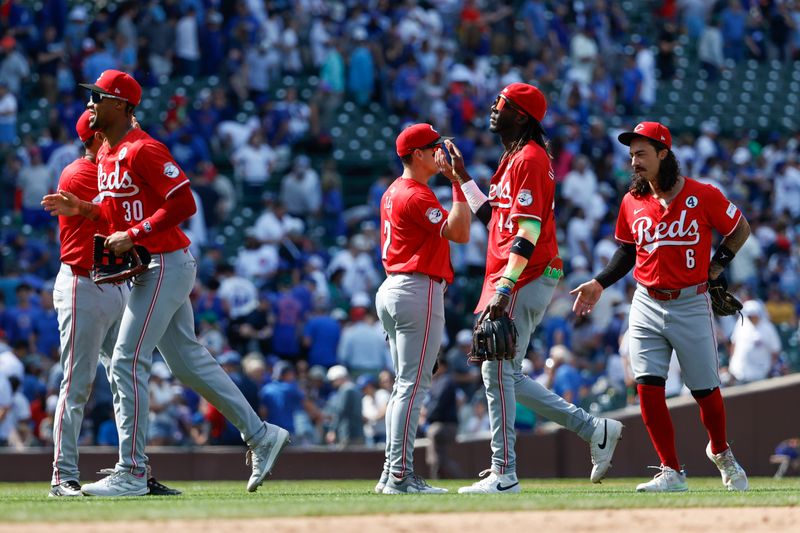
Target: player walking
{"x": 522, "y": 271}
{"x": 410, "y": 302}
{"x": 145, "y": 196}
{"x": 664, "y": 228}
{"x": 88, "y": 320}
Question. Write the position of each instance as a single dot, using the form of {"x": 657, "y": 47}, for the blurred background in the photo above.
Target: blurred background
{"x": 284, "y": 115}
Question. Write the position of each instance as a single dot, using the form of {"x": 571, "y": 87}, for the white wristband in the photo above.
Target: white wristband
{"x": 475, "y": 197}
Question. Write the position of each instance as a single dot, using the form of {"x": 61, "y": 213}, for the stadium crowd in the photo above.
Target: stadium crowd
{"x": 290, "y": 313}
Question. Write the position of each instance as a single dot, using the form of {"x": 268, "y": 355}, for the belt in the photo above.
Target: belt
{"x": 674, "y": 294}
{"x": 437, "y": 279}
{"x": 79, "y": 271}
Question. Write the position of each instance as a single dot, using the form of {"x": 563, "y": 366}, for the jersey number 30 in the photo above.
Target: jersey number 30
{"x": 133, "y": 210}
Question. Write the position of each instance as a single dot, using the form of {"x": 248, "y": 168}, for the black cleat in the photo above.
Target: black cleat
{"x": 159, "y": 489}
{"x": 70, "y": 488}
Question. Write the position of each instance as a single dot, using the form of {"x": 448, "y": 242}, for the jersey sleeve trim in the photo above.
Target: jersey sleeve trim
{"x": 736, "y": 224}
{"x": 616, "y": 237}
{"x": 525, "y": 215}
{"x": 175, "y": 188}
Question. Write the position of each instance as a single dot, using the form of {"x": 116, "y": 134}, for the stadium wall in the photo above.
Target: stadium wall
{"x": 759, "y": 416}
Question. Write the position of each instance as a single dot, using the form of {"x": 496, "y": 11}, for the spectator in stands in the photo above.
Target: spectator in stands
{"x": 256, "y": 261}
{"x": 466, "y": 377}
{"x": 755, "y": 345}
{"x": 35, "y": 182}
{"x": 6, "y": 411}
{"x": 321, "y": 335}
{"x": 373, "y": 408}
{"x": 187, "y": 43}
{"x": 361, "y": 71}
{"x": 733, "y": 25}
{"x": 253, "y": 164}
{"x": 710, "y": 50}
{"x": 440, "y": 417}
{"x": 8, "y": 115}
{"x": 345, "y": 426}
{"x": 163, "y": 426}
{"x": 300, "y": 189}
{"x": 14, "y": 66}
{"x": 359, "y": 271}
{"x": 363, "y": 348}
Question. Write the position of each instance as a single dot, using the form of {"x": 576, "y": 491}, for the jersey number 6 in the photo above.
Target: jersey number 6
{"x": 690, "y": 258}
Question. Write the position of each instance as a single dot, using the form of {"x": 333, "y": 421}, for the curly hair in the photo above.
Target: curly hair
{"x": 533, "y": 131}
{"x": 668, "y": 172}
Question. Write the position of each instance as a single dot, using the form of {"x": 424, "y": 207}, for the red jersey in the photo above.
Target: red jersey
{"x": 79, "y": 178}
{"x": 134, "y": 178}
{"x": 412, "y": 220}
{"x": 673, "y": 244}
{"x": 523, "y": 186}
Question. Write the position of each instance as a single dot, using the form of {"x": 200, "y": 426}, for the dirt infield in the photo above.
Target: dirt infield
{"x": 619, "y": 521}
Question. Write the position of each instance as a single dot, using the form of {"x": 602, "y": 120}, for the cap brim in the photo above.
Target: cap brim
{"x": 627, "y": 137}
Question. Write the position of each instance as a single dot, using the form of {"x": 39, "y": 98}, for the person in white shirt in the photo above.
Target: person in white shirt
{"x": 362, "y": 347}
{"x": 755, "y": 344}
{"x": 253, "y": 164}
{"x": 360, "y": 274}
{"x": 256, "y": 262}
{"x": 187, "y": 43}
{"x": 300, "y": 189}
{"x": 580, "y": 184}
{"x": 238, "y": 294}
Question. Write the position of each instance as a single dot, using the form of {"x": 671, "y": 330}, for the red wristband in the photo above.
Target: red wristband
{"x": 458, "y": 194}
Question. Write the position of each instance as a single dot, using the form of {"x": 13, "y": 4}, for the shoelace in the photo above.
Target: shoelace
{"x": 663, "y": 470}
{"x": 72, "y": 485}
{"x": 728, "y": 463}
{"x": 419, "y": 482}
{"x": 487, "y": 477}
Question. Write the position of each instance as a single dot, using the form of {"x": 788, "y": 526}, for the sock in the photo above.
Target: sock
{"x": 712, "y": 413}
{"x": 655, "y": 414}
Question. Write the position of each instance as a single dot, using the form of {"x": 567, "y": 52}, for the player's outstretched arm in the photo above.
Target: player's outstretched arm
{"x": 64, "y": 203}
{"x": 588, "y": 293}
{"x": 478, "y": 202}
{"x": 586, "y": 296}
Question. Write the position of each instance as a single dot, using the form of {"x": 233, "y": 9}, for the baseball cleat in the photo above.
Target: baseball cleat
{"x": 733, "y": 476}
{"x": 604, "y": 441}
{"x": 263, "y": 455}
{"x": 69, "y": 488}
{"x": 410, "y": 484}
{"x": 154, "y": 488}
{"x": 667, "y": 480}
{"x": 493, "y": 483}
{"x": 382, "y": 482}
{"x": 117, "y": 484}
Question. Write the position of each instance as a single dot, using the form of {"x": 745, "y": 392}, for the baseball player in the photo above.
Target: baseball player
{"x": 415, "y": 230}
{"x": 144, "y": 197}
{"x": 522, "y": 271}
{"x": 88, "y": 320}
{"x": 664, "y": 228}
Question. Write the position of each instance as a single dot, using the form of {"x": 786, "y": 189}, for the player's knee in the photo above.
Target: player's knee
{"x": 655, "y": 381}
{"x": 702, "y": 393}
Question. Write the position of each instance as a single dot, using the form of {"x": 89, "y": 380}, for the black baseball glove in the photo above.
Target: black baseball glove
{"x": 493, "y": 340}
{"x": 722, "y": 302}
{"x": 112, "y": 268}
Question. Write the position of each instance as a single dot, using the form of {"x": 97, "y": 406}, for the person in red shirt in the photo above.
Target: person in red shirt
{"x": 665, "y": 227}
{"x": 415, "y": 235}
{"x": 522, "y": 271}
{"x": 144, "y": 197}
{"x": 88, "y": 318}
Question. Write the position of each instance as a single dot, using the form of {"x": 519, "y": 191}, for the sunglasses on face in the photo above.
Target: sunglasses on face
{"x": 501, "y": 102}
{"x": 435, "y": 145}
{"x": 97, "y": 97}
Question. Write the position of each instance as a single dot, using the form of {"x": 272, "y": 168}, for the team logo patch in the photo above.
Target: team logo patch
{"x": 171, "y": 171}
{"x": 691, "y": 202}
{"x": 525, "y": 198}
{"x": 147, "y": 227}
{"x": 731, "y": 210}
{"x": 434, "y": 215}
{"x": 122, "y": 153}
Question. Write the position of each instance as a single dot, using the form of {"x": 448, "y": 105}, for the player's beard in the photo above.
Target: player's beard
{"x": 667, "y": 177}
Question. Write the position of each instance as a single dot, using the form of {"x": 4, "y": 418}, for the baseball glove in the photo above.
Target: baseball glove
{"x": 112, "y": 268}
{"x": 493, "y": 340}
{"x": 722, "y": 302}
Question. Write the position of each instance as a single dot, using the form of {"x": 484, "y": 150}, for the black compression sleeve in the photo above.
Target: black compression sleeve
{"x": 621, "y": 263}
{"x": 484, "y": 213}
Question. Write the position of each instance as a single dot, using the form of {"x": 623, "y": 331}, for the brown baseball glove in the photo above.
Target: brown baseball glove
{"x": 112, "y": 268}
{"x": 722, "y": 302}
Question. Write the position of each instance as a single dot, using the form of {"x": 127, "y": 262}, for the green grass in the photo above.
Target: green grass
{"x": 25, "y": 502}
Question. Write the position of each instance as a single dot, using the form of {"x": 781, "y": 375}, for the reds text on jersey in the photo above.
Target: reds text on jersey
{"x": 133, "y": 180}
{"x": 673, "y": 244}
{"x": 523, "y": 186}
{"x": 412, "y": 220}
{"x": 79, "y": 178}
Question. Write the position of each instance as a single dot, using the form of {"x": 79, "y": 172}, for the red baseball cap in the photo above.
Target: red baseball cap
{"x": 118, "y": 84}
{"x": 651, "y": 130}
{"x": 82, "y": 127}
{"x": 528, "y": 98}
{"x": 417, "y": 136}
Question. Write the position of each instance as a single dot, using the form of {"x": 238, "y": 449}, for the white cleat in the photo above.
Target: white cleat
{"x": 382, "y": 482}
{"x": 262, "y": 456}
{"x": 733, "y": 476}
{"x": 667, "y": 480}
{"x": 117, "y": 484}
{"x": 410, "y": 484}
{"x": 68, "y": 489}
{"x": 604, "y": 441}
{"x": 493, "y": 483}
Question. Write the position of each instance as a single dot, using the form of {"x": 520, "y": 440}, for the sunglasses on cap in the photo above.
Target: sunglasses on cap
{"x": 501, "y": 102}
{"x": 96, "y": 97}
{"x": 436, "y": 145}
